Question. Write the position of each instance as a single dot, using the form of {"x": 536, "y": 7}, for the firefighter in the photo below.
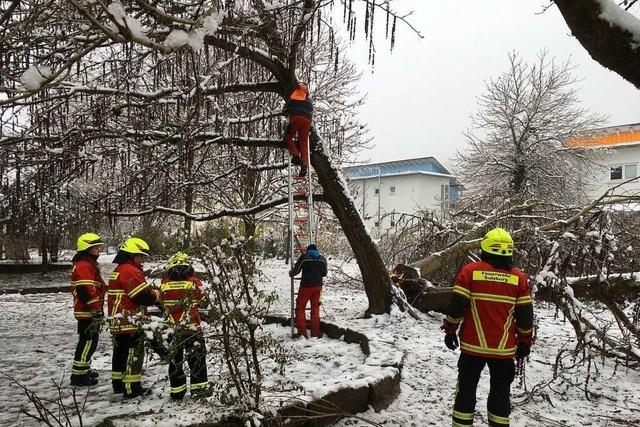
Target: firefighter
{"x": 182, "y": 295}
{"x": 493, "y": 301}
{"x": 299, "y": 109}
{"x": 88, "y": 297}
{"x": 129, "y": 295}
{"x": 314, "y": 268}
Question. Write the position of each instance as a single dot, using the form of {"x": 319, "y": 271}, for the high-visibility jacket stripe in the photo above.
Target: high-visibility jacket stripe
{"x": 476, "y": 319}
{"x": 116, "y": 375}
{"x": 452, "y": 320}
{"x": 82, "y": 314}
{"x": 526, "y": 299}
{"x": 457, "y": 289}
{"x": 493, "y": 297}
{"x": 486, "y": 350}
{"x": 507, "y": 330}
{"x": 494, "y": 276}
{"x": 116, "y": 292}
{"x": 135, "y": 291}
{"x": 524, "y": 331}
{"x": 85, "y": 283}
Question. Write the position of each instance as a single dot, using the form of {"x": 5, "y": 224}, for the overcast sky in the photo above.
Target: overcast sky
{"x": 421, "y": 96}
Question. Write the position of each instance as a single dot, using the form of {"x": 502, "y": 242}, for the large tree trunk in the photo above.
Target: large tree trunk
{"x": 612, "y": 46}
{"x": 375, "y": 276}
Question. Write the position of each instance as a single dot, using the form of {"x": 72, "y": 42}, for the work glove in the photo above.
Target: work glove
{"x": 451, "y": 341}
{"x": 522, "y": 351}
{"x": 96, "y": 316}
{"x": 291, "y": 273}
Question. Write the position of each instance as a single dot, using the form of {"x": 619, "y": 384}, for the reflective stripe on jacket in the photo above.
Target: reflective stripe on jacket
{"x": 181, "y": 299}
{"x": 491, "y": 303}
{"x": 87, "y": 287}
{"x": 128, "y": 295}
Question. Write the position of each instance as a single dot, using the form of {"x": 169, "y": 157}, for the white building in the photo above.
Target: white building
{"x": 617, "y": 150}
{"x": 385, "y": 191}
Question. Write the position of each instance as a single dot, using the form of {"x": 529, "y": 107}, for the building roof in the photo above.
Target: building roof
{"x": 612, "y": 136}
{"x": 421, "y": 165}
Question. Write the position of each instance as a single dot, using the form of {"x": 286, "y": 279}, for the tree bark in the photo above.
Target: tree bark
{"x": 613, "y": 47}
{"x": 375, "y": 276}
{"x": 428, "y": 298}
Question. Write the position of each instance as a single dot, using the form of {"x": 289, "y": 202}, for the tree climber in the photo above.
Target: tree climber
{"x": 493, "y": 301}
{"x": 129, "y": 295}
{"x": 182, "y": 295}
{"x": 299, "y": 109}
{"x": 88, "y": 298}
{"x": 314, "y": 268}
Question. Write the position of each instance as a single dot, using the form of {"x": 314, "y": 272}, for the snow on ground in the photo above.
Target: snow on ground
{"x": 37, "y": 337}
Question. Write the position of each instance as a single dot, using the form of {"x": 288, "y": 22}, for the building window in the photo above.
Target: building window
{"x": 392, "y": 190}
{"x": 630, "y": 171}
{"x": 393, "y": 223}
{"x": 616, "y": 172}
{"x": 376, "y": 224}
{"x": 376, "y": 191}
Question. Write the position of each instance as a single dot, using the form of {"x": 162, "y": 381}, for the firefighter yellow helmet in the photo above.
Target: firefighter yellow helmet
{"x": 88, "y": 240}
{"x": 179, "y": 258}
{"x": 135, "y": 245}
{"x": 497, "y": 242}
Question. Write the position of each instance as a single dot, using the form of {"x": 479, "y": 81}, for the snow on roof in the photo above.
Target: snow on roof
{"x": 612, "y": 136}
{"x": 421, "y": 165}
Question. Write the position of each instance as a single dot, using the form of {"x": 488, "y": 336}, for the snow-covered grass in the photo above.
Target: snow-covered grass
{"x": 37, "y": 337}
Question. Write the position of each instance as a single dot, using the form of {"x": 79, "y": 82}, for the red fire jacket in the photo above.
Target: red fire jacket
{"x": 495, "y": 308}
{"x": 129, "y": 294}
{"x": 182, "y": 300}
{"x": 87, "y": 287}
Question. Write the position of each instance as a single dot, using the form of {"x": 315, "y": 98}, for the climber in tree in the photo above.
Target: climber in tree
{"x": 299, "y": 109}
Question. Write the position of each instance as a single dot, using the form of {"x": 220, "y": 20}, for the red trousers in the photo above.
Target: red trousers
{"x": 300, "y": 126}
{"x": 306, "y": 294}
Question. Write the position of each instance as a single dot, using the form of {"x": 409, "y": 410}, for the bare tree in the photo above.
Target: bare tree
{"x": 517, "y": 143}
{"x": 185, "y": 99}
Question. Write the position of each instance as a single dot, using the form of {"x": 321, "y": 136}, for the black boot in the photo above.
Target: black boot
{"x": 83, "y": 381}
{"x": 303, "y": 171}
{"x": 93, "y": 374}
{"x": 296, "y": 160}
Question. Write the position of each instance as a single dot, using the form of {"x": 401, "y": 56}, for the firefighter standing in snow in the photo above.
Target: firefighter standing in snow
{"x": 182, "y": 294}
{"x": 88, "y": 298}
{"x": 493, "y": 301}
{"x": 129, "y": 294}
{"x": 314, "y": 268}
{"x": 299, "y": 109}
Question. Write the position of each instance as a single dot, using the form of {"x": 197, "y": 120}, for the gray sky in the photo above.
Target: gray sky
{"x": 420, "y": 97}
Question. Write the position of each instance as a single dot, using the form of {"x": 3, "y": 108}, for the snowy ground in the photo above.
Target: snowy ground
{"x": 37, "y": 336}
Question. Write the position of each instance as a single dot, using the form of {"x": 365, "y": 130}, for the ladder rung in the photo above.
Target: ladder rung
{"x": 299, "y": 191}
{"x": 302, "y": 234}
{"x": 300, "y": 178}
{"x": 301, "y": 205}
{"x": 301, "y": 220}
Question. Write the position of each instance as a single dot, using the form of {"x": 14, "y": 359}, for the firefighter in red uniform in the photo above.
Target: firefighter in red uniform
{"x": 493, "y": 301}
{"x": 299, "y": 109}
{"x": 129, "y": 295}
{"x": 88, "y": 297}
{"x": 182, "y": 295}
